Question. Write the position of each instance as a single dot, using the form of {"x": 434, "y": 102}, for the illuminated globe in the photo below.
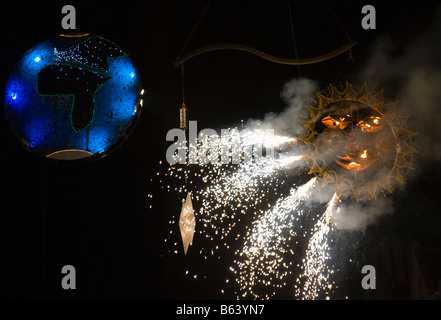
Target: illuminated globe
{"x": 72, "y": 97}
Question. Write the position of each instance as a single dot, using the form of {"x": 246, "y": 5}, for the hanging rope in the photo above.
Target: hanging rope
{"x": 183, "y": 85}
{"x": 293, "y": 36}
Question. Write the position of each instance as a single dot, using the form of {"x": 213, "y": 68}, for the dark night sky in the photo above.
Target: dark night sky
{"x": 97, "y": 215}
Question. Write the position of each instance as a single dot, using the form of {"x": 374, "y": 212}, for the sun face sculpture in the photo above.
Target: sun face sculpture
{"x": 356, "y": 141}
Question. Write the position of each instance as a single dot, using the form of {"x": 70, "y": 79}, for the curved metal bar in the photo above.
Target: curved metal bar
{"x": 263, "y": 55}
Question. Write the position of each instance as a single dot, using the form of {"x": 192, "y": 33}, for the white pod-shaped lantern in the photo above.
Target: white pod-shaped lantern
{"x": 187, "y": 223}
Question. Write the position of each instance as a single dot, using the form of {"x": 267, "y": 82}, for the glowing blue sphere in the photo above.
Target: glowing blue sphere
{"x": 73, "y": 97}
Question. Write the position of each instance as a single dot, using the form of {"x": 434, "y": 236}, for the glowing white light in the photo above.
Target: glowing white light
{"x": 37, "y": 59}
{"x": 286, "y": 161}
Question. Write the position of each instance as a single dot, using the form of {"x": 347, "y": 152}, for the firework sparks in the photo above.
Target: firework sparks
{"x": 262, "y": 265}
{"x": 316, "y": 269}
{"x": 239, "y": 192}
{"x": 232, "y": 190}
{"x": 261, "y": 261}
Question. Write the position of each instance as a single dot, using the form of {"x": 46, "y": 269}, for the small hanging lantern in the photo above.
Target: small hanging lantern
{"x": 183, "y": 117}
{"x": 187, "y": 223}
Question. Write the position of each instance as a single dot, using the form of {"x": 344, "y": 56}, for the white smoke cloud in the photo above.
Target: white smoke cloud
{"x": 415, "y": 76}
{"x": 296, "y": 93}
{"x": 358, "y": 215}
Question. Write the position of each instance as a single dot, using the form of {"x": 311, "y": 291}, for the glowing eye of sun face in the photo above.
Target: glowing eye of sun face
{"x": 336, "y": 121}
{"x": 364, "y": 155}
{"x": 370, "y": 124}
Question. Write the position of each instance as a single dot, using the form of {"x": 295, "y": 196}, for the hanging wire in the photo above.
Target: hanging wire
{"x": 183, "y": 85}
{"x": 182, "y": 77}
{"x": 342, "y": 69}
{"x": 338, "y": 21}
{"x": 187, "y": 151}
{"x": 293, "y": 36}
{"x": 350, "y": 59}
{"x": 144, "y": 18}
{"x": 350, "y": 56}
{"x": 194, "y": 29}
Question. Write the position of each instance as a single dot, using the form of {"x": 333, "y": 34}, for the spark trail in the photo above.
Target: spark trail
{"x": 239, "y": 192}
{"x": 316, "y": 265}
{"x": 261, "y": 261}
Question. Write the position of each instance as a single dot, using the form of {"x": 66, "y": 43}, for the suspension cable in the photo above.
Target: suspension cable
{"x": 293, "y": 36}
{"x": 193, "y": 31}
{"x": 338, "y": 21}
{"x": 144, "y": 18}
{"x": 183, "y": 85}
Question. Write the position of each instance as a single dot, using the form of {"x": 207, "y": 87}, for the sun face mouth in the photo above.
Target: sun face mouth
{"x": 351, "y": 161}
{"x": 357, "y": 157}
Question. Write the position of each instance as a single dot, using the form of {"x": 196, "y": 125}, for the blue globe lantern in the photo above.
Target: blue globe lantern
{"x": 72, "y": 97}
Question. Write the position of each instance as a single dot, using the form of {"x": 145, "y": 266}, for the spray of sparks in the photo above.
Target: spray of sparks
{"x": 316, "y": 266}
{"x": 263, "y": 262}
